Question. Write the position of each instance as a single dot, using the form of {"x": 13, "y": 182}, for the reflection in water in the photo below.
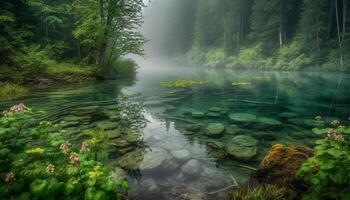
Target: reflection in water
{"x": 196, "y": 139}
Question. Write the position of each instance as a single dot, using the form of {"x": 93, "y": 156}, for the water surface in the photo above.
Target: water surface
{"x": 171, "y": 160}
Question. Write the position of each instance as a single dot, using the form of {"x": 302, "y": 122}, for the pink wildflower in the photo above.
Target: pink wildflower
{"x": 84, "y": 147}
{"x": 318, "y": 118}
{"x": 10, "y": 177}
{"x": 74, "y": 158}
{"x": 332, "y": 135}
{"x": 65, "y": 147}
{"x": 335, "y": 122}
{"x": 18, "y": 108}
{"x": 50, "y": 168}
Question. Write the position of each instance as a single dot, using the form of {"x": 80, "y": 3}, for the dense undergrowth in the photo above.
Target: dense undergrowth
{"x": 39, "y": 162}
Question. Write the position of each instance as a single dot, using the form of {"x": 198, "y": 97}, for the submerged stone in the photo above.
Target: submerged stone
{"x": 192, "y": 168}
{"x": 181, "y": 155}
{"x": 197, "y": 114}
{"x": 113, "y": 134}
{"x": 215, "y": 144}
{"x": 131, "y": 160}
{"x": 265, "y": 122}
{"x": 215, "y": 109}
{"x": 213, "y": 115}
{"x": 288, "y": 115}
{"x": 133, "y": 138}
{"x": 215, "y": 129}
{"x": 118, "y": 174}
{"x": 86, "y": 110}
{"x": 193, "y": 127}
{"x": 154, "y": 159}
{"x": 242, "y": 117}
{"x": 106, "y": 125}
{"x": 242, "y": 147}
{"x": 68, "y": 124}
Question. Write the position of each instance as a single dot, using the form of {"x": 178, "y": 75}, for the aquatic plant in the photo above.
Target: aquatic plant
{"x": 327, "y": 172}
{"x": 12, "y": 91}
{"x": 37, "y": 161}
{"x": 181, "y": 83}
{"x": 263, "y": 192}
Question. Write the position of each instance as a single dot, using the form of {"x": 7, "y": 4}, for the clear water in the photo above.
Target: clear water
{"x": 264, "y": 94}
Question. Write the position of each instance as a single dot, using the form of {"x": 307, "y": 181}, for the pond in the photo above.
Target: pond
{"x": 198, "y": 141}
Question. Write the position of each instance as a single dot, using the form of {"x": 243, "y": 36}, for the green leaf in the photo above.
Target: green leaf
{"x": 335, "y": 152}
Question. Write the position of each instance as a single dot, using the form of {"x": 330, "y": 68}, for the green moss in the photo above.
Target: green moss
{"x": 12, "y": 91}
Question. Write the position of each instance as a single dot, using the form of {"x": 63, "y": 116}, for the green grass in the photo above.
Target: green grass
{"x": 71, "y": 73}
{"x": 12, "y": 91}
{"x": 263, "y": 192}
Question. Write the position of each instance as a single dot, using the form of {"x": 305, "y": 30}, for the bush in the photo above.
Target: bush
{"x": 216, "y": 58}
{"x": 250, "y": 57}
{"x": 120, "y": 67}
{"x": 38, "y": 162}
{"x": 292, "y": 57}
{"x": 327, "y": 172}
{"x": 12, "y": 91}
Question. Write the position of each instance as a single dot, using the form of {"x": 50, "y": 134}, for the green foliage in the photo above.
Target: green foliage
{"x": 98, "y": 142}
{"x": 120, "y": 68}
{"x": 12, "y": 91}
{"x": 216, "y": 58}
{"x": 327, "y": 172}
{"x": 263, "y": 192}
{"x": 38, "y": 162}
{"x": 292, "y": 57}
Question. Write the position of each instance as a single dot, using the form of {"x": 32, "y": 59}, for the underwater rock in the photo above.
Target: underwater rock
{"x": 112, "y": 134}
{"x": 307, "y": 123}
{"x": 242, "y": 147}
{"x": 154, "y": 158}
{"x": 213, "y": 115}
{"x": 110, "y": 114}
{"x": 151, "y": 186}
{"x": 265, "y": 122}
{"x": 68, "y": 124}
{"x": 265, "y": 136}
{"x": 215, "y": 144}
{"x": 118, "y": 174}
{"x": 281, "y": 163}
{"x": 233, "y": 129}
{"x": 288, "y": 115}
{"x": 192, "y": 168}
{"x": 193, "y": 127}
{"x": 197, "y": 114}
{"x": 73, "y": 118}
{"x": 118, "y": 143}
{"x": 215, "y": 109}
{"x": 106, "y": 125}
{"x": 298, "y": 135}
{"x": 133, "y": 138}
{"x": 181, "y": 155}
{"x": 215, "y": 129}
{"x": 242, "y": 117}
{"x": 131, "y": 160}
{"x": 83, "y": 111}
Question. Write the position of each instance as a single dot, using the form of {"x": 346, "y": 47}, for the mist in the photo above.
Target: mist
{"x": 168, "y": 25}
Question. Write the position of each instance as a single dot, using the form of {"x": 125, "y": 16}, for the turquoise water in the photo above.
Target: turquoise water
{"x": 189, "y": 148}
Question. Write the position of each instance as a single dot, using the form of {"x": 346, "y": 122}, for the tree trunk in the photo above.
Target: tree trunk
{"x": 330, "y": 20}
{"x": 223, "y": 28}
{"x": 281, "y": 24}
{"x": 345, "y": 8}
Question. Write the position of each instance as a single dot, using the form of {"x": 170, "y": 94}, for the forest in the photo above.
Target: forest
{"x": 272, "y": 34}
{"x": 175, "y": 99}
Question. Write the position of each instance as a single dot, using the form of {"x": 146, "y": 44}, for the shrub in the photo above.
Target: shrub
{"x": 327, "y": 172}
{"x": 120, "y": 67}
{"x": 292, "y": 57}
{"x": 250, "y": 57}
{"x": 38, "y": 162}
{"x": 12, "y": 91}
{"x": 216, "y": 58}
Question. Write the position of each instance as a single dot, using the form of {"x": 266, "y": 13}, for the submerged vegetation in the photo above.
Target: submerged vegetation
{"x": 181, "y": 83}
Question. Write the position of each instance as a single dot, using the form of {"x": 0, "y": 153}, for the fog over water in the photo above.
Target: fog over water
{"x": 168, "y": 26}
